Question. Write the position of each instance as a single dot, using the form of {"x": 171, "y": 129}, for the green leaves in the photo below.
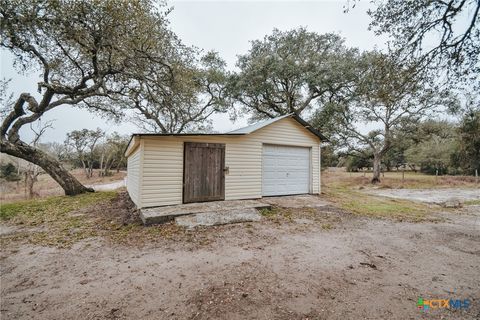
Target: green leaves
{"x": 86, "y": 50}
{"x": 183, "y": 99}
{"x": 442, "y": 35}
{"x": 291, "y": 71}
{"x": 386, "y": 100}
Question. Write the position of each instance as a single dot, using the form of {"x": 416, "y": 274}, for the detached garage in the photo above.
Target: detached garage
{"x": 280, "y": 156}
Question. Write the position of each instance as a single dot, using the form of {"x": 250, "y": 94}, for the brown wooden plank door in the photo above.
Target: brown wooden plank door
{"x": 203, "y": 173}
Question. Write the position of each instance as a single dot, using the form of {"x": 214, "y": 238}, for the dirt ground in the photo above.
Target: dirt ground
{"x": 314, "y": 263}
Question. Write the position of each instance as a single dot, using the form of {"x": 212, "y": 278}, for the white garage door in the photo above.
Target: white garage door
{"x": 285, "y": 170}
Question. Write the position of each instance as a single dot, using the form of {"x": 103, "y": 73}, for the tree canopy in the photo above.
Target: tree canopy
{"x": 185, "y": 98}
{"x": 468, "y": 148}
{"x": 440, "y": 34}
{"x": 290, "y": 72}
{"x": 388, "y": 97}
{"x": 87, "y": 53}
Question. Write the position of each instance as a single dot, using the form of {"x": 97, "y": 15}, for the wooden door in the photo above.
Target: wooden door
{"x": 203, "y": 172}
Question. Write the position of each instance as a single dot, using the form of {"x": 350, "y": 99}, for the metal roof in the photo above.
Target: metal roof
{"x": 258, "y": 125}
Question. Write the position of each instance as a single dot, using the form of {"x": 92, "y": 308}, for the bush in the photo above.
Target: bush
{"x": 9, "y": 172}
{"x": 354, "y": 163}
{"x": 431, "y": 168}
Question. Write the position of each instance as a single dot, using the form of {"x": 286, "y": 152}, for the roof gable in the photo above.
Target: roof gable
{"x": 256, "y": 126}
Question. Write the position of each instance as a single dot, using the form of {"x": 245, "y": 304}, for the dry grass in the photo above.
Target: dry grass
{"x": 46, "y": 186}
{"x": 344, "y": 189}
{"x": 61, "y": 221}
{"x": 472, "y": 203}
{"x": 395, "y": 180}
{"x": 52, "y": 221}
{"x": 362, "y": 204}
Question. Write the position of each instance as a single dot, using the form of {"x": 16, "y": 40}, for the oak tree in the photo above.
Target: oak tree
{"x": 387, "y": 98}
{"x": 442, "y": 35}
{"x": 291, "y": 72}
{"x": 83, "y": 143}
{"x": 86, "y": 52}
{"x": 183, "y": 98}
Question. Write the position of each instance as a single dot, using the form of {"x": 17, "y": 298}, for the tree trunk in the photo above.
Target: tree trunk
{"x": 90, "y": 169}
{"x": 26, "y": 184}
{"x": 29, "y": 182}
{"x": 377, "y": 164}
{"x": 108, "y": 167}
{"x": 100, "y": 172}
{"x": 85, "y": 168}
{"x": 69, "y": 183}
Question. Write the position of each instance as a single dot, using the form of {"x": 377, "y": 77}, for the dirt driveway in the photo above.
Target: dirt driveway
{"x": 322, "y": 264}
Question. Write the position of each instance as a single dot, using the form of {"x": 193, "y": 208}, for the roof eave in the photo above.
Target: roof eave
{"x": 307, "y": 126}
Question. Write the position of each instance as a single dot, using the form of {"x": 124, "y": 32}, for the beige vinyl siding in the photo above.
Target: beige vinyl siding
{"x": 319, "y": 168}
{"x": 133, "y": 175}
{"x": 162, "y": 172}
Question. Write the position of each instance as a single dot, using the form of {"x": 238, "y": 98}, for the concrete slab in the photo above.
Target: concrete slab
{"x": 298, "y": 201}
{"x": 168, "y": 213}
{"x": 214, "y": 218}
{"x": 222, "y": 212}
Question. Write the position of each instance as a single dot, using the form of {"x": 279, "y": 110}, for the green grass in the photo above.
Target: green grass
{"x": 50, "y": 218}
{"x": 327, "y": 226}
{"x": 269, "y": 212}
{"x": 62, "y": 221}
{"x": 38, "y": 211}
{"x": 373, "y": 206}
{"x": 348, "y": 191}
{"x": 472, "y": 202}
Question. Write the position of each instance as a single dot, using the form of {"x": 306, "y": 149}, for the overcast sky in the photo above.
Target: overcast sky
{"x": 223, "y": 26}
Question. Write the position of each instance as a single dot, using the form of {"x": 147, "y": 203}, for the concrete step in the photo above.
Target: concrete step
{"x": 164, "y": 214}
{"x": 220, "y": 217}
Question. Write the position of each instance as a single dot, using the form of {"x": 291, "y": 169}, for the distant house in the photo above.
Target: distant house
{"x": 280, "y": 156}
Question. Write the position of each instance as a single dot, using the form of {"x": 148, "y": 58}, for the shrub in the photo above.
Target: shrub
{"x": 9, "y": 172}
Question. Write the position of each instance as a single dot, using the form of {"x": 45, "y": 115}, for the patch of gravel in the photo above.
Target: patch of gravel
{"x": 434, "y": 196}
{"x": 6, "y": 230}
{"x": 298, "y": 201}
{"x": 108, "y": 186}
